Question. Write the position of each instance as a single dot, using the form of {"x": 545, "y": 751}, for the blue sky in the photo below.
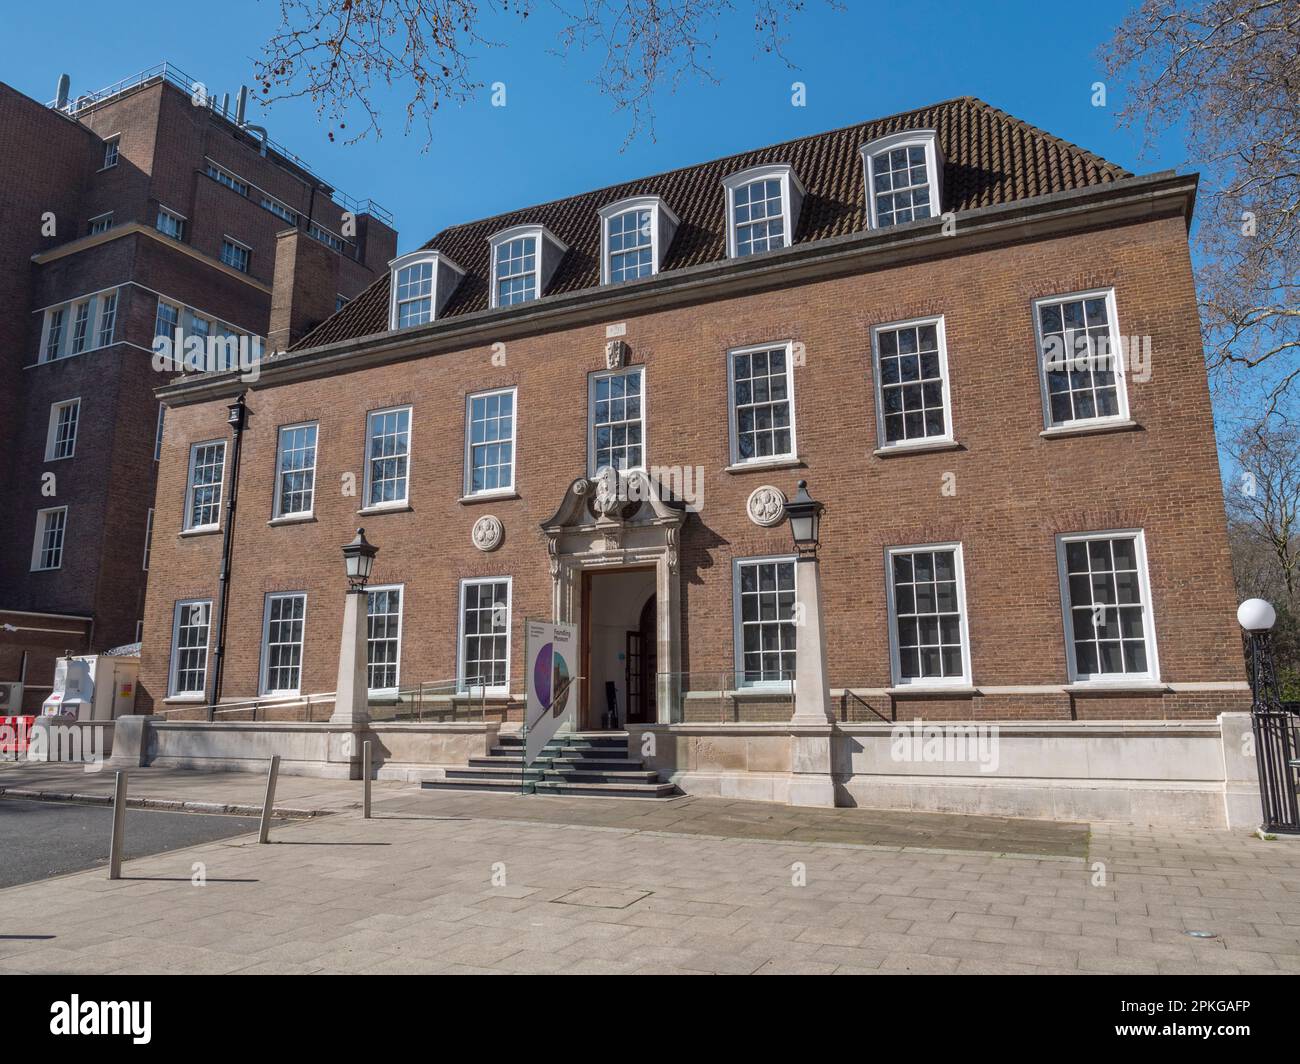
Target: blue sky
{"x": 558, "y": 136}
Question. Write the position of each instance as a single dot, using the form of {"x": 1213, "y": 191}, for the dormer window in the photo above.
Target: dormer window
{"x": 634, "y": 236}
{"x": 902, "y": 173}
{"x": 762, "y": 209}
{"x": 523, "y": 259}
{"x": 422, "y": 282}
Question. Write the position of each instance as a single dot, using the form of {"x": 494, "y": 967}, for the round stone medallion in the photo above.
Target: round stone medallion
{"x": 487, "y": 533}
{"x": 766, "y": 506}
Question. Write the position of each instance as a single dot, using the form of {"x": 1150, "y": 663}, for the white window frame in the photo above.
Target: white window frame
{"x": 405, "y": 501}
{"x": 606, "y": 374}
{"x": 934, "y": 161}
{"x": 105, "y": 319}
{"x": 488, "y": 493}
{"x": 790, "y": 183}
{"x": 401, "y": 623}
{"x": 662, "y": 223}
{"x": 38, "y": 541}
{"x": 1117, "y": 354}
{"x": 238, "y": 245}
{"x": 737, "y": 622}
{"x": 498, "y": 242}
{"x": 51, "y": 436}
{"x": 96, "y": 304}
{"x": 501, "y": 689}
{"x": 895, "y": 662}
{"x": 264, "y": 672}
{"x": 112, "y": 151}
{"x": 766, "y": 459}
{"x": 190, "y": 486}
{"x": 942, "y": 337}
{"x": 276, "y": 510}
{"x": 173, "y": 665}
{"x": 148, "y": 539}
{"x": 440, "y": 288}
{"x": 1110, "y": 679}
{"x": 92, "y": 223}
{"x": 176, "y": 217}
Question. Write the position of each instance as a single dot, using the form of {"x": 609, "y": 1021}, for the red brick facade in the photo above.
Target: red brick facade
{"x": 54, "y": 163}
{"x": 1015, "y": 489}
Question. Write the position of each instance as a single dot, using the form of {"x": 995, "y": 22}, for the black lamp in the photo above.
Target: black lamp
{"x": 359, "y": 560}
{"x": 805, "y": 514}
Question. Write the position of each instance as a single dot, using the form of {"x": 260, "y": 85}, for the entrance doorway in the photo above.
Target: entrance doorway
{"x": 620, "y": 643}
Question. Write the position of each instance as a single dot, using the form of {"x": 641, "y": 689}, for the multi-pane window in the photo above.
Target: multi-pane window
{"x": 759, "y": 217}
{"x": 765, "y": 628}
{"x": 618, "y": 421}
{"x": 927, "y": 605}
{"x": 325, "y": 236}
{"x": 47, "y": 550}
{"x": 148, "y": 539}
{"x": 107, "y": 318}
{"x": 1107, "y": 604}
{"x": 167, "y": 320}
{"x": 110, "y": 152}
{"x": 901, "y": 185}
{"x": 229, "y": 180}
{"x": 101, "y": 223}
{"x": 383, "y": 637}
{"x": 282, "y": 632}
{"x": 189, "y": 666}
{"x": 54, "y": 333}
{"x": 631, "y": 251}
{"x": 516, "y": 271}
{"x": 485, "y": 634}
{"x": 234, "y": 254}
{"x": 1080, "y": 356}
{"x": 490, "y": 442}
{"x": 170, "y": 224}
{"x": 203, "y": 490}
{"x": 762, "y": 409}
{"x": 61, "y": 441}
{"x": 80, "y": 325}
{"x": 388, "y": 443}
{"x": 415, "y": 294}
{"x": 911, "y": 385}
{"x": 277, "y": 208}
{"x": 295, "y": 470}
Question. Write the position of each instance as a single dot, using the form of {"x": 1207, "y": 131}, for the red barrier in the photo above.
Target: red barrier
{"x": 13, "y": 734}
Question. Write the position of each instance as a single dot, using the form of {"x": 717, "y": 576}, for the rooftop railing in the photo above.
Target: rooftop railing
{"x": 171, "y": 73}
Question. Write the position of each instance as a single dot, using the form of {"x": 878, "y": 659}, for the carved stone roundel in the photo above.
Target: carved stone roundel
{"x": 488, "y": 533}
{"x": 766, "y": 506}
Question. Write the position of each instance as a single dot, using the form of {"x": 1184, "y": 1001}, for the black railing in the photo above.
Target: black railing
{"x": 1274, "y": 726}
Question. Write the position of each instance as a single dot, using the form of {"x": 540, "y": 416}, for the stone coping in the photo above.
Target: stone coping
{"x": 1020, "y": 728}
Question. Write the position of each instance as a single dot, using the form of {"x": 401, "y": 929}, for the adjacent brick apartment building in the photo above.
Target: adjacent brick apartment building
{"x": 128, "y": 213}
{"x": 880, "y": 310}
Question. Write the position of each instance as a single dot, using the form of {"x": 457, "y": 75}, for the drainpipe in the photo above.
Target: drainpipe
{"x": 237, "y": 420}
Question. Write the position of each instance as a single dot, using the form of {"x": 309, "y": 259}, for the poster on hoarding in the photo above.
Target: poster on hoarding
{"x": 550, "y": 660}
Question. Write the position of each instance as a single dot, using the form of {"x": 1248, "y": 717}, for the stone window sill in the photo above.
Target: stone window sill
{"x": 1060, "y": 432}
{"x": 487, "y": 496}
{"x": 763, "y": 464}
{"x": 292, "y": 519}
{"x": 206, "y": 530}
{"x": 1116, "y": 687}
{"x": 924, "y": 447}
{"x": 388, "y": 508}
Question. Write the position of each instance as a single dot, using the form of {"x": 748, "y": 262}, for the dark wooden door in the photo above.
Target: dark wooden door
{"x": 642, "y": 651}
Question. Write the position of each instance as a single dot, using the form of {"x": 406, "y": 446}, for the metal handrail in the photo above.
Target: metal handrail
{"x": 253, "y": 705}
{"x": 844, "y": 706}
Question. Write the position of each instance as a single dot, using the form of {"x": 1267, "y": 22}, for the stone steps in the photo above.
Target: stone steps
{"x": 590, "y": 763}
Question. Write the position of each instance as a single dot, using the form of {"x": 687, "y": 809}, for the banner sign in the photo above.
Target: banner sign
{"x": 550, "y": 660}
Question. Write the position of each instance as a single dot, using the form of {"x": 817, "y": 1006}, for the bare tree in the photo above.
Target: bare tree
{"x": 1226, "y": 73}
{"x": 1264, "y": 508}
{"x": 342, "y": 53}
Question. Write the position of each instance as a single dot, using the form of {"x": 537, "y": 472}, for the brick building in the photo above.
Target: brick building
{"x": 129, "y": 213}
{"x": 1011, "y": 533}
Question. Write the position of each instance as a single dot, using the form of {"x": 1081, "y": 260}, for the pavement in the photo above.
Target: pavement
{"x": 441, "y": 882}
{"x": 44, "y": 839}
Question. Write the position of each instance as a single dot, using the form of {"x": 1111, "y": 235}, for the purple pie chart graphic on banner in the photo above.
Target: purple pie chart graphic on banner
{"x": 550, "y": 674}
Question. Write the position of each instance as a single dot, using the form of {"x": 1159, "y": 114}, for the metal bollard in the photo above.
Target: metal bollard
{"x": 365, "y": 775}
{"x": 117, "y": 842}
{"x": 269, "y": 802}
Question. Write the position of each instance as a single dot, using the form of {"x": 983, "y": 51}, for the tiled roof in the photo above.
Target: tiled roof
{"x": 991, "y": 158}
